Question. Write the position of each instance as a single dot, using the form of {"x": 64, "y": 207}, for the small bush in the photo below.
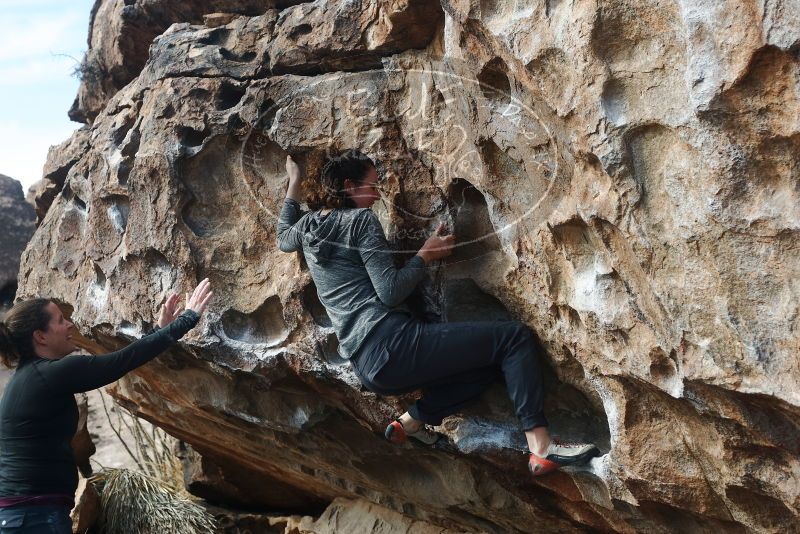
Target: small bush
{"x": 90, "y": 69}
{"x": 150, "y": 499}
{"x": 135, "y": 502}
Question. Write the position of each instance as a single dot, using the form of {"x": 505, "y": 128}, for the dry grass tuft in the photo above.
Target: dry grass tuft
{"x": 150, "y": 499}
{"x": 136, "y": 502}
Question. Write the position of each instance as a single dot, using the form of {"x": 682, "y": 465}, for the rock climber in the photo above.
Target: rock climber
{"x": 38, "y": 412}
{"x": 391, "y": 351}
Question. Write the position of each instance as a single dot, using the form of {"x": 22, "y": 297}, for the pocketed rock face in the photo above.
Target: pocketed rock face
{"x": 623, "y": 177}
{"x": 120, "y": 34}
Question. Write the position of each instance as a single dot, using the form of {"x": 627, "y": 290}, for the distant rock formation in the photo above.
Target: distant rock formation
{"x": 623, "y": 177}
{"x": 17, "y": 223}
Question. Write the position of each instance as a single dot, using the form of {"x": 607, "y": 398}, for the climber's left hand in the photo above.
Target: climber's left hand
{"x": 295, "y": 189}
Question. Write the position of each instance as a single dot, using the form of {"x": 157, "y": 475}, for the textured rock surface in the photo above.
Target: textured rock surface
{"x": 87, "y": 507}
{"x": 17, "y": 221}
{"x": 345, "y": 515}
{"x": 623, "y": 176}
{"x": 60, "y": 159}
{"x": 355, "y": 516}
{"x": 120, "y": 34}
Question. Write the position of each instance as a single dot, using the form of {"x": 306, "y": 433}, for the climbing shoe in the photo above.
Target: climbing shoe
{"x": 560, "y": 453}
{"x": 395, "y": 433}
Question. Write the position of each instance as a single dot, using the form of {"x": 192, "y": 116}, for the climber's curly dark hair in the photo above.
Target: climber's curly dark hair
{"x": 328, "y": 192}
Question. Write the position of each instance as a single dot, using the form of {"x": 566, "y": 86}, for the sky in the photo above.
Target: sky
{"x": 41, "y": 43}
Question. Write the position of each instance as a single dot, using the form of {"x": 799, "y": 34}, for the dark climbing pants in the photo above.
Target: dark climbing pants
{"x": 35, "y": 520}
{"x": 453, "y": 363}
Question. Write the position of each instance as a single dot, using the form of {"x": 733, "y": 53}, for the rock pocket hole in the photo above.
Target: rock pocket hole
{"x": 664, "y": 371}
{"x": 126, "y": 123}
{"x": 7, "y": 294}
{"x": 202, "y": 219}
{"x": 99, "y": 289}
{"x": 328, "y": 350}
{"x": 209, "y": 185}
{"x": 661, "y": 365}
{"x": 264, "y": 170}
{"x": 123, "y": 172}
{"x": 191, "y": 137}
{"x": 199, "y": 93}
{"x": 128, "y": 149}
{"x": 99, "y": 276}
{"x": 614, "y": 101}
{"x": 80, "y": 204}
{"x": 571, "y": 414}
{"x": 215, "y": 36}
{"x": 464, "y": 300}
{"x": 299, "y": 31}
{"x": 229, "y": 96}
{"x": 475, "y": 231}
{"x": 494, "y": 82}
{"x": 118, "y": 213}
{"x": 498, "y": 163}
{"x": 74, "y": 200}
{"x": 313, "y": 305}
{"x": 264, "y": 325}
{"x": 230, "y": 55}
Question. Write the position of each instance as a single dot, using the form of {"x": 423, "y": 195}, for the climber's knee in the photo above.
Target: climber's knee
{"x": 523, "y": 333}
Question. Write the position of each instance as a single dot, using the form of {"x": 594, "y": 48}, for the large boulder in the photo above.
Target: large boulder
{"x": 622, "y": 176}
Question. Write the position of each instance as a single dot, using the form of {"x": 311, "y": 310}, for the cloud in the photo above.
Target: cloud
{"x": 29, "y": 36}
{"x": 28, "y": 4}
{"x": 37, "y": 70}
{"x": 36, "y": 86}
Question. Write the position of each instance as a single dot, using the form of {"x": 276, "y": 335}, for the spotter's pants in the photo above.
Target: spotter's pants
{"x": 36, "y": 519}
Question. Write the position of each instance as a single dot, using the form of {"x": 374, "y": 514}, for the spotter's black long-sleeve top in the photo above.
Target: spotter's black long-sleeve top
{"x": 39, "y": 416}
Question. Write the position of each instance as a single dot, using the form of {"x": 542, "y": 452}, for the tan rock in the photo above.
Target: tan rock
{"x": 623, "y": 176}
{"x": 87, "y": 507}
{"x": 212, "y": 20}
{"x": 82, "y": 445}
{"x": 361, "y": 517}
{"x": 231, "y": 521}
{"x": 60, "y": 162}
{"x": 354, "y": 516}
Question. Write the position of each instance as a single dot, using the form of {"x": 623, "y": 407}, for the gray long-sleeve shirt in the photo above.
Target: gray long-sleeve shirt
{"x": 352, "y": 266}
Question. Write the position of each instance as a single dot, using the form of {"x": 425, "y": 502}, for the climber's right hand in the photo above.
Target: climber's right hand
{"x": 438, "y": 245}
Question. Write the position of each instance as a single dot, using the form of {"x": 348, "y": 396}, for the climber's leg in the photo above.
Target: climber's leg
{"x": 447, "y": 396}
{"x": 453, "y": 362}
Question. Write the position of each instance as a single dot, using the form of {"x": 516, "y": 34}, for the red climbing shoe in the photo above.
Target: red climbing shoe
{"x": 560, "y": 453}
{"x": 396, "y": 434}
